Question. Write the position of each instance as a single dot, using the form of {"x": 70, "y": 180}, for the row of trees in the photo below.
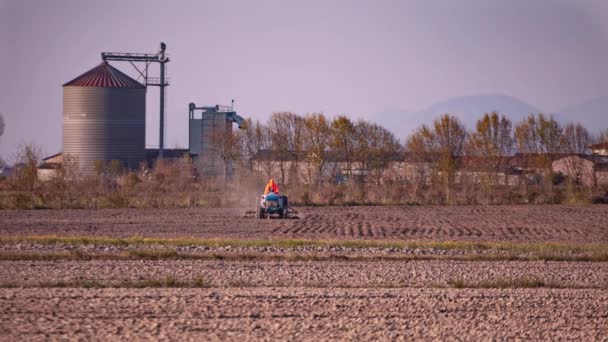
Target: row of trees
{"x": 313, "y": 141}
{"x": 316, "y": 137}
{"x": 539, "y": 137}
{"x": 288, "y": 139}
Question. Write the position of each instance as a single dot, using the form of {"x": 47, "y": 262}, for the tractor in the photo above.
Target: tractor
{"x": 272, "y": 204}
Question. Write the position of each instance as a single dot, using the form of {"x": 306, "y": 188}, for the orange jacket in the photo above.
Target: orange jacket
{"x": 271, "y": 187}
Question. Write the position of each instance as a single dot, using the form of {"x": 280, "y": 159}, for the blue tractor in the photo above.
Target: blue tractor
{"x": 272, "y": 205}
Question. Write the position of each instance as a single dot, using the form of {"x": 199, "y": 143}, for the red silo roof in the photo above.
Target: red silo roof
{"x": 104, "y": 75}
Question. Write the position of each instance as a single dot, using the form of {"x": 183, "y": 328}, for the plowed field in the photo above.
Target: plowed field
{"x": 259, "y": 285}
{"x": 476, "y": 223}
{"x": 238, "y": 314}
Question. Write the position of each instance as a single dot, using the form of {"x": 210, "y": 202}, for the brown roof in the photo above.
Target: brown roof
{"x": 104, "y": 75}
{"x": 51, "y": 157}
{"x": 603, "y": 145}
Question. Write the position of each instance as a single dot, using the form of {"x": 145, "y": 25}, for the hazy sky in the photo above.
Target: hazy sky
{"x": 352, "y": 57}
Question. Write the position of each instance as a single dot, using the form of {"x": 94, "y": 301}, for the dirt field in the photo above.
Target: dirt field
{"x": 476, "y": 223}
{"x": 66, "y": 289}
{"x": 311, "y": 274}
{"x": 303, "y": 314}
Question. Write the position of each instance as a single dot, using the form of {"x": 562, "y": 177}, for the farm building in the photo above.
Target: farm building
{"x": 600, "y": 149}
{"x": 290, "y": 167}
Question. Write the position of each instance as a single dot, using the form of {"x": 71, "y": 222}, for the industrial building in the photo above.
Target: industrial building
{"x": 104, "y": 119}
{"x": 206, "y": 125}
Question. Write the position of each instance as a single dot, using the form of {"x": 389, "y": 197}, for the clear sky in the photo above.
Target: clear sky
{"x": 338, "y": 57}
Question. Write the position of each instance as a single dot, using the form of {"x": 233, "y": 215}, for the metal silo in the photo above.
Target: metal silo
{"x": 208, "y": 129}
{"x": 104, "y": 118}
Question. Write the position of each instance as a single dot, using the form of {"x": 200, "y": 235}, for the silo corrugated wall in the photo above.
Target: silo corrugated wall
{"x": 213, "y": 126}
{"x": 104, "y": 123}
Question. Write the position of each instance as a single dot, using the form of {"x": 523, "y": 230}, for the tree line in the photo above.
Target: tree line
{"x": 317, "y": 136}
{"x": 446, "y": 146}
{"x": 438, "y": 154}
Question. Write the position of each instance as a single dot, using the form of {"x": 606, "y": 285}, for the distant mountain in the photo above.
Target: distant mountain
{"x": 469, "y": 109}
{"x": 593, "y": 114}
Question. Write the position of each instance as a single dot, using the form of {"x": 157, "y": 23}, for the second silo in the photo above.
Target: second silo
{"x": 104, "y": 118}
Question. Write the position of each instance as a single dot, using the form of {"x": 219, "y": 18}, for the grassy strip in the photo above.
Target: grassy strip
{"x": 510, "y": 283}
{"x": 174, "y": 255}
{"x": 172, "y": 282}
{"x": 520, "y": 247}
{"x": 167, "y": 282}
{"x": 169, "y": 254}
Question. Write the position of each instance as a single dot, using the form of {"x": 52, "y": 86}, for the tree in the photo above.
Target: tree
{"x": 26, "y": 164}
{"x": 492, "y": 137}
{"x": 445, "y": 142}
{"x": 603, "y": 136}
{"x": 287, "y": 131}
{"x": 317, "y": 133}
{"x": 489, "y": 145}
{"x": 2, "y": 125}
{"x": 254, "y": 138}
{"x": 343, "y": 138}
{"x": 227, "y": 146}
{"x": 539, "y": 135}
{"x": 575, "y": 139}
{"x": 2, "y": 163}
{"x": 375, "y": 147}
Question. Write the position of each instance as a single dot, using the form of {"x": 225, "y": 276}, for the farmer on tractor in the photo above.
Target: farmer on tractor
{"x": 271, "y": 203}
{"x": 271, "y": 187}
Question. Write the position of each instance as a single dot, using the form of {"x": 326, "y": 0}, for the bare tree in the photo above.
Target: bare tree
{"x": 575, "y": 139}
{"x": 375, "y": 147}
{"x": 603, "y": 136}
{"x": 575, "y": 142}
{"x": 493, "y": 136}
{"x": 317, "y": 134}
{"x": 489, "y": 145}
{"x": 343, "y": 139}
{"x": 27, "y": 159}
{"x": 254, "y": 139}
{"x": 287, "y": 131}
{"x": 227, "y": 146}
{"x": 2, "y": 125}
{"x": 539, "y": 138}
{"x": 446, "y": 141}
{"x": 249, "y": 146}
{"x": 539, "y": 135}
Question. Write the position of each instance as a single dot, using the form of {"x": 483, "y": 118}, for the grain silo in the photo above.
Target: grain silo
{"x": 104, "y": 118}
{"x": 210, "y": 133}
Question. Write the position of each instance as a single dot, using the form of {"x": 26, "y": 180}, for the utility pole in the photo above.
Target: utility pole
{"x": 148, "y": 58}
